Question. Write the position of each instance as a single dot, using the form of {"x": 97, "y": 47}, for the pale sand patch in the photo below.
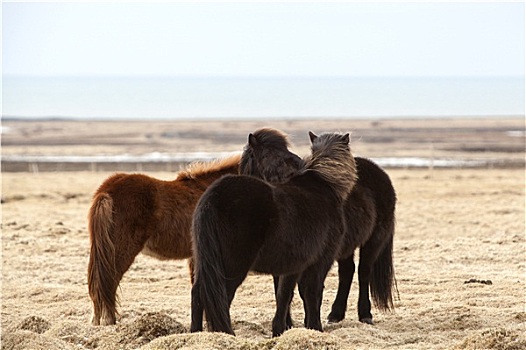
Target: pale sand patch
{"x": 452, "y": 226}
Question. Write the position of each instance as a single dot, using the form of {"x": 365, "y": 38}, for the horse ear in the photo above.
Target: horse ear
{"x": 347, "y": 138}
{"x": 252, "y": 140}
{"x": 312, "y": 136}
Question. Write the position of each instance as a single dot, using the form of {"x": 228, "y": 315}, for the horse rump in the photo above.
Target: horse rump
{"x": 228, "y": 229}
{"x": 209, "y": 288}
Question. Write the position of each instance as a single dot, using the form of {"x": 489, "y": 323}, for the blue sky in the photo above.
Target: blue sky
{"x": 263, "y": 39}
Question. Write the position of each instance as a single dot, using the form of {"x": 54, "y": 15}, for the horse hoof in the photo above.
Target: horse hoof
{"x": 367, "y": 320}
{"x": 334, "y": 319}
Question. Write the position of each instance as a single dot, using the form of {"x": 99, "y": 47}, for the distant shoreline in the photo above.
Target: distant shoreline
{"x": 256, "y": 119}
{"x": 159, "y": 145}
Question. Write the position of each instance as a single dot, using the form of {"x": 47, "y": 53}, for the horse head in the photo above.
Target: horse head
{"x": 267, "y": 157}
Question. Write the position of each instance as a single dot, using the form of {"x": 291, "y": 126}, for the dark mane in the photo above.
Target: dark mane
{"x": 267, "y": 156}
{"x": 272, "y": 138}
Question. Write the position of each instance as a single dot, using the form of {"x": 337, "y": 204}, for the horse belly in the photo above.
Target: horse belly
{"x": 169, "y": 244}
{"x": 281, "y": 262}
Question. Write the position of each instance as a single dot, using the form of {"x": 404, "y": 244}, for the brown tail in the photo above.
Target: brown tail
{"x": 101, "y": 267}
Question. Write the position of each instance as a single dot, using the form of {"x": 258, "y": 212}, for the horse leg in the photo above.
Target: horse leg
{"x": 197, "y": 309}
{"x": 311, "y": 291}
{"x": 289, "y": 317}
{"x": 285, "y": 291}
{"x": 368, "y": 255}
{"x": 346, "y": 268}
{"x": 191, "y": 266}
{"x": 125, "y": 253}
{"x": 310, "y": 294}
{"x": 231, "y": 286}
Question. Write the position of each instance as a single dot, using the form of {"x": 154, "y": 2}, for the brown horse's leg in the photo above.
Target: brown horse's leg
{"x": 346, "y": 268}
{"x": 126, "y": 250}
{"x": 97, "y": 312}
{"x": 191, "y": 266}
{"x": 125, "y": 254}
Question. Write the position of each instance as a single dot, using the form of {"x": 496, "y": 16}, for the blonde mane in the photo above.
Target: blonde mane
{"x": 334, "y": 162}
{"x": 200, "y": 169}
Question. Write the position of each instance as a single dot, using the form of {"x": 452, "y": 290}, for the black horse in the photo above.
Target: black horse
{"x": 370, "y": 221}
{"x": 370, "y": 218}
{"x": 293, "y": 230}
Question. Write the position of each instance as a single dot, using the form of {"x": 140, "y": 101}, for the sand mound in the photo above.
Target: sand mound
{"x": 81, "y": 335}
{"x": 147, "y": 328}
{"x": 23, "y": 339}
{"x": 294, "y": 339}
{"x": 304, "y": 339}
{"x": 204, "y": 340}
{"x": 34, "y": 324}
{"x": 500, "y": 339}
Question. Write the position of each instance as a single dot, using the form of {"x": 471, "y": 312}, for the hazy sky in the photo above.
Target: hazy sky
{"x": 263, "y": 39}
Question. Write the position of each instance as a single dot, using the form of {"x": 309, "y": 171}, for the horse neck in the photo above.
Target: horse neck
{"x": 340, "y": 174}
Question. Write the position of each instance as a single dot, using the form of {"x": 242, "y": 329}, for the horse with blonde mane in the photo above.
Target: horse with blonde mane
{"x": 369, "y": 213}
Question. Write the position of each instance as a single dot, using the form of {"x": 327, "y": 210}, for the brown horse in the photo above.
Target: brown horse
{"x": 131, "y": 213}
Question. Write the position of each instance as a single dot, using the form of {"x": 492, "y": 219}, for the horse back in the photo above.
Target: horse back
{"x": 239, "y": 199}
{"x": 308, "y": 198}
{"x": 237, "y": 212}
{"x": 309, "y": 226}
{"x": 376, "y": 180}
{"x": 133, "y": 195}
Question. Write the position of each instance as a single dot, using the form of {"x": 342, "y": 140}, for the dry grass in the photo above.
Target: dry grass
{"x": 453, "y": 226}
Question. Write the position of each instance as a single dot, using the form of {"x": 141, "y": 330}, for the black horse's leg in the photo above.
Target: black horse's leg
{"x": 368, "y": 254}
{"x": 284, "y": 294}
{"x": 346, "y": 270}
{"x": 289, "y": 317}
{"x": 197, "y": 310}
{"x": 311, "y": 291}
{"x": 231, "y": 286}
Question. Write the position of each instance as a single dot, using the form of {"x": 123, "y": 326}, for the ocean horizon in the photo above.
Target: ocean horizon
{"x": 186, "y": 98}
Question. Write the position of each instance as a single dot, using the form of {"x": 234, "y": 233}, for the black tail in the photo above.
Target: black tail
{"x": 210, "y": 281}
{"x": 383, "y": 280}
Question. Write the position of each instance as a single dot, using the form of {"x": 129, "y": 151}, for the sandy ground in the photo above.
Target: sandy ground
{"x": 453, "y": 226}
